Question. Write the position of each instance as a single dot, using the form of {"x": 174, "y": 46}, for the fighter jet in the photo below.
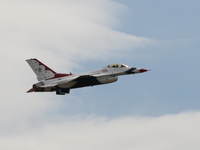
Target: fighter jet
{"x": 61, "y": 83}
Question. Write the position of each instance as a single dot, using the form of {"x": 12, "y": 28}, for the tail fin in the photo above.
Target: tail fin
{"x": 42, "y": 71}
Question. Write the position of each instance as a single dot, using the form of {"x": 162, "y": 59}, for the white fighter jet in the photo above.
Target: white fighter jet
{"x": 50, "y": 81}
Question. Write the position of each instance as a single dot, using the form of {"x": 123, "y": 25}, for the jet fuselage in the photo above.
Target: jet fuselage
{"x": 62, "y": 83}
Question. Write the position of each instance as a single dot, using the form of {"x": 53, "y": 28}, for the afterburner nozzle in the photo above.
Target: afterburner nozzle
{"x": 31, "y": 90}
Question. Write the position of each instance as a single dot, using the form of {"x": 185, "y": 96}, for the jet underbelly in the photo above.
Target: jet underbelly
{"x": 67, "y": 85}
{"x": 107, "y": 79}
{"x": 82, "y": 82}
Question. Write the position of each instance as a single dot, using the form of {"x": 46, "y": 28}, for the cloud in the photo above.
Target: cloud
{"x": 64, "y": 29}
{"x": 59, "y": 33}
{"x": 166, "y": 132}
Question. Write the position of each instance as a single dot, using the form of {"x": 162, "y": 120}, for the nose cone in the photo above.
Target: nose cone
{"x": 143, "y": 70}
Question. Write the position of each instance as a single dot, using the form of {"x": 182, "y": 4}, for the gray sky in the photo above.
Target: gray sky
{"x": 155, "y": 110}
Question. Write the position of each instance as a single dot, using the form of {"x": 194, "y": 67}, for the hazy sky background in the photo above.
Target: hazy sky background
{"x": 155, "y": 110}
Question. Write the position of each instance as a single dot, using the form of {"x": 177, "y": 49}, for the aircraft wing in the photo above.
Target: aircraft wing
{"x": 68, "y": 79}
{"x": 77, "y": 78}
{"x": 105, "y": 74}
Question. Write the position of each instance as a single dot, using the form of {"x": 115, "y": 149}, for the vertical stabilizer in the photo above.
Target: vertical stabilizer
{"x": 42, "y": 71}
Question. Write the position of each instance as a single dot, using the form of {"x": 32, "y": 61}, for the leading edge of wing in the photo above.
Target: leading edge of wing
{"x": 105, "y": 74}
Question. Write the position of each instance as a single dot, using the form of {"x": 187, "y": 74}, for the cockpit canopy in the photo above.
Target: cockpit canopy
{"x": 116, "y": 65}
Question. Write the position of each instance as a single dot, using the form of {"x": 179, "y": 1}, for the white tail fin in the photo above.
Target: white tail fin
{"x": 42, "y": 71}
